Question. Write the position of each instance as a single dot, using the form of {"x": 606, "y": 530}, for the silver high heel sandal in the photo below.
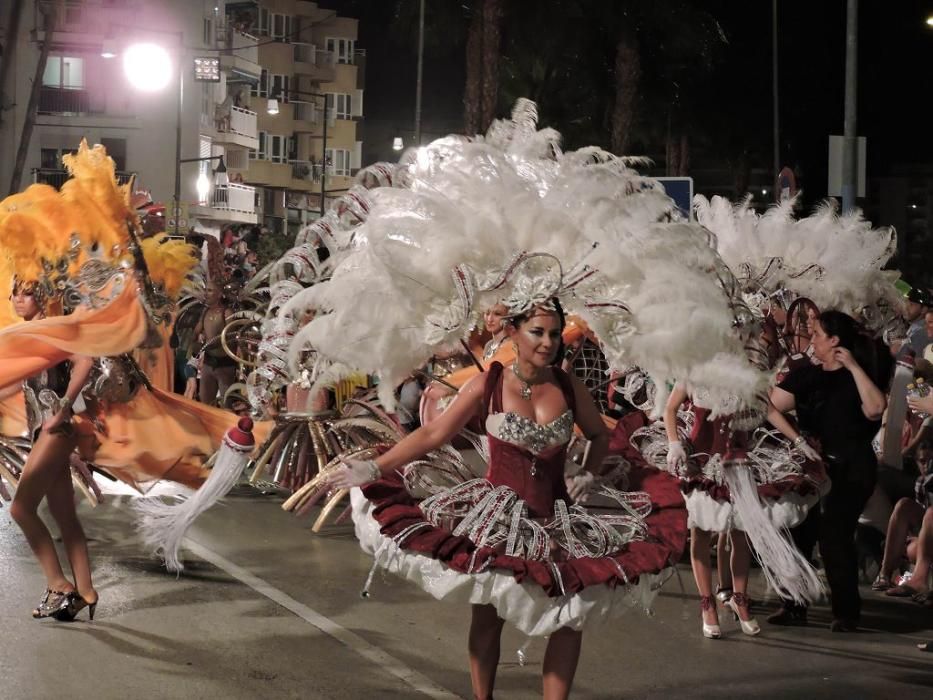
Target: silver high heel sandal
{"x": 749, "y": 627}
{"x": 709, "y": 631}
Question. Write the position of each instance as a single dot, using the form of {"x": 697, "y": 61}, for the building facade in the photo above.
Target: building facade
{"x": 254, "y": 51}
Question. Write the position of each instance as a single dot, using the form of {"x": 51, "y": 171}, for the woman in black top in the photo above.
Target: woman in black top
{"x": 839, "y": 408}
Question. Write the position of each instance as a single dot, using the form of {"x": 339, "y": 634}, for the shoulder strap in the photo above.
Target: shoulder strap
{"x": 566, "y": 386}
{"x": 492, "y": 393}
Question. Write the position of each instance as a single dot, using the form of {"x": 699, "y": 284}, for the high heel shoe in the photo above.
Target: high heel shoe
{"x": 750, "y": 626}
{"x": 51, "y": 604}
{"x": 75, "y": 604}
{"x": 709, "y": 631}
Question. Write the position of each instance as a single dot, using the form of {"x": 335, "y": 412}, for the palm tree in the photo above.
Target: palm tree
{"x": 481, "y": 91}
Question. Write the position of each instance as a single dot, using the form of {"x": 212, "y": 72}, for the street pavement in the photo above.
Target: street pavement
{"x": 267, "y": 609}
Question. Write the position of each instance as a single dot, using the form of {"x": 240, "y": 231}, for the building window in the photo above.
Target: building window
{"x": 341, "y": 48}
{"x": 259, "y": 153}
{"x": 279, "y": 87}
{"x": 261, "y": 89}
{"x": 338, "y": 161}
{"x": 278, "y": 148}
{"x": 338, "y": 104}
{"x": 116, "y": 149}
{"x": 280, "y": 26}
{"x": 64, "y": 72}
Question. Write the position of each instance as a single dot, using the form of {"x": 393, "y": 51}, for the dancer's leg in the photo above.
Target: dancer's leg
{"x": 560, "y": 663}
{"x": 207, "y": 387}
{"x": 741, "y": 563}
{"x": 906, "y": 517}
{"x": 47, "y": 460}
{"x": 699, "y": 560}
{"x": 723, "y": 569}
{"x": 485, "y": 636}
{"x": 61, "y": 500}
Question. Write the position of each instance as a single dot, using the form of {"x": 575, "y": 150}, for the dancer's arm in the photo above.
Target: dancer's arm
{"x": 439, "y": 431}
{"x": 81, "y": 366}
{"x": 676, "y": 454}
{"x": 587, "y": 416}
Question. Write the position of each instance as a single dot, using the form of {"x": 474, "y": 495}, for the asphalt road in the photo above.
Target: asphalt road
{"x": 266, "y": 609}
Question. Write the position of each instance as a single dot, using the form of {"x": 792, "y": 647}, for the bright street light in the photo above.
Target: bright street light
{"x": 203, "y": 186}
{"x": 272, "y": 106}
{"x": 397, "y": 143}
{"x": 148, "y": 67}
{"x": 930, "y": 21}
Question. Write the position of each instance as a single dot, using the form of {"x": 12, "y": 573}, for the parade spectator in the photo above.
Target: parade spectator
{"x": 839, "y": 407}
{"x": 915, "y": 314}
{"x": 910, "y": 534}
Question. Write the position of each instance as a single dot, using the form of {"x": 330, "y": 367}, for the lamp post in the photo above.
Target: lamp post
{"x": 272, "y": 107}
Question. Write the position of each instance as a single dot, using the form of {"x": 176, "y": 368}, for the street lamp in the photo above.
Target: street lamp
{"x": 203, "y": 184}
{"x": 272, "y": 107}
{"x": 148, "y": 67}
{"x": 398, "y": 144}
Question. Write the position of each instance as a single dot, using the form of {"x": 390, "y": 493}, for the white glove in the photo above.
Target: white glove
{"x": 580, "y": 486}
{"x": 806, "y": 449}
{"x": 676, "y": 454}
{"x": 354, "y": 472}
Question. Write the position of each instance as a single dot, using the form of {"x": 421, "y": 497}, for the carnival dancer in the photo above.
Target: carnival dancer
{"x": 92, "y": 289}
{"x": 538, "y": 230}
{"x": 528, "y": 411}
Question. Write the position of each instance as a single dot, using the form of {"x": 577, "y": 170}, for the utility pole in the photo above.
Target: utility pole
{"x": 420, "y": 71}
{"x": 849, "y": 138}
{"x": 51, "y": 22}
{"x": 775, "y": 94}
{"x": 9, "y": 47}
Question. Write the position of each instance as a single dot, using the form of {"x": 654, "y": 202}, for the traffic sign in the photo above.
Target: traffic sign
{"x": 680, "y": 189}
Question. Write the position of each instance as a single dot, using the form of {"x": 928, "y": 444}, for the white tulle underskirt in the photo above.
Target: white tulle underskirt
{"x": 524, "y": 605}
{"x": 706, "y": 513}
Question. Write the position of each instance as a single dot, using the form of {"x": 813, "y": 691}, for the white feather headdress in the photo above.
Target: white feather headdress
{"x": 509, "y": 217}
{"x": 835, "y": 261}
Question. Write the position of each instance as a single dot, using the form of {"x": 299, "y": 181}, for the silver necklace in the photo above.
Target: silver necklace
{"x": 526, "y": 383}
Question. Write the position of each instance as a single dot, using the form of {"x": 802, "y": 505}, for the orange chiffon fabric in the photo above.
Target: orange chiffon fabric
{"x": 28, "y": 348}
{"x": 157, "y": 435}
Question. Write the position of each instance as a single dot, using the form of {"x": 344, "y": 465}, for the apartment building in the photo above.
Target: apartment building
{"x": 308, "y": 58}
{"x": 274, "y": 163}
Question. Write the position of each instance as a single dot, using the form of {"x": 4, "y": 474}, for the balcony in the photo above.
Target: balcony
{"x": 239, "y": 57}
{"x": 239, "y": 131}
{"x": 317, "y": 64}
{"x": 57, "y": 177}
{"x": 64, "y": 101}
{"x": 232, "y": 202}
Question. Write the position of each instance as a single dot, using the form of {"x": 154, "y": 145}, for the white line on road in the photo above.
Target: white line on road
{"x": 418, "y": 681}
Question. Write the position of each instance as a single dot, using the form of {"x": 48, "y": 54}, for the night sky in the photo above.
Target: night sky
{"x": 895, "y": 59}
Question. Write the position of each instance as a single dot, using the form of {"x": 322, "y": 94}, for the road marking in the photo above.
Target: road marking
{"x": 354, "y": 642}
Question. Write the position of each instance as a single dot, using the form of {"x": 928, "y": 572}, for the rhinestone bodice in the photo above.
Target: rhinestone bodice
{"x": 522, "y": 431}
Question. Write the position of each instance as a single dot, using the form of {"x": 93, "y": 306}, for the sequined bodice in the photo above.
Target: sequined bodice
{"x": 43, "y": 392}
{"x": 522, "y": 431}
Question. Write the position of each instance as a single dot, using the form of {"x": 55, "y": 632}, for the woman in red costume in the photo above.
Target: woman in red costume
{"x": 512, "y": 544}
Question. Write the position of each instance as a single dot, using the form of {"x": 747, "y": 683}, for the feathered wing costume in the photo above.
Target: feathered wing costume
{"x": 78, "y": 250}
{"x": 510, "y": 218}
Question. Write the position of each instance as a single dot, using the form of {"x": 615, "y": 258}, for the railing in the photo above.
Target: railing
{"x": 57, "y": 176}
{"x": 309, "y": 53}
{"x": 305, "y": 111}
{"x": 241, "y": 44}
{"x": 309, "y": 171}
{"x": 234, "y": 197}
{"x": 53, "y": 100}
{"x": 243, "y": 122}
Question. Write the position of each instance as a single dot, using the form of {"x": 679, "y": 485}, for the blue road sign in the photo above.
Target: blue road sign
{"x": 680, "y": 189}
